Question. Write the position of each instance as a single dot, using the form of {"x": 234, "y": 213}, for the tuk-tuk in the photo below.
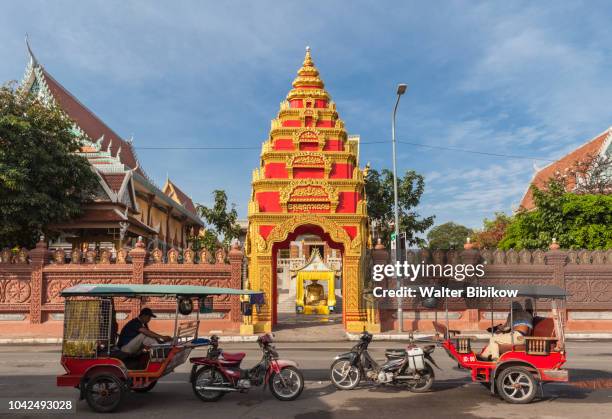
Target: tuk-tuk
{"x": 522, "y": 365}
{"x": 96, "y": 365}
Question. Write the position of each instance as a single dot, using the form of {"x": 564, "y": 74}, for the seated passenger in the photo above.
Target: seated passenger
{"x": 136, "y": 334}
{"x": 522, "y": 324}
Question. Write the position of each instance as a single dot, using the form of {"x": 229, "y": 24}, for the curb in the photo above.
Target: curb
{"x": 478, "y": 335}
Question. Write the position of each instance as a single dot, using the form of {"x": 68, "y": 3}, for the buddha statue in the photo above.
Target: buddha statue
{"x": 315, "y": 294}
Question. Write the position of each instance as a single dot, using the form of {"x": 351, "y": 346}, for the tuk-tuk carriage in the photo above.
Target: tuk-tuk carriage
{"x": 93, "y": 362}
{"x": 524, "y": 366}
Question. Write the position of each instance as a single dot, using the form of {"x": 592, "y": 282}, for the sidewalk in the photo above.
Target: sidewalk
{"x": 314, "y": 334}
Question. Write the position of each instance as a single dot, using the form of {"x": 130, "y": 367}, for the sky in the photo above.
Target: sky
{"x": 520, "y": 78}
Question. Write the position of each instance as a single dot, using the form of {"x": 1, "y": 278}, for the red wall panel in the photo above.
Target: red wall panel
{"x": 276, "y": 171}
{"x": 283, "y": 144}
{"x": 308, "y": 173}
{"x": 268, "y": 201}
{"x": 341, "y": 171}
{"x": 347, "y": 202}
{"x": 333, "y": 145}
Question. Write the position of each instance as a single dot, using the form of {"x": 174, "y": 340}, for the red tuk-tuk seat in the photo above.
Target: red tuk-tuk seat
{"x": 544, "y": 327}
{"x": 233, "y": 357}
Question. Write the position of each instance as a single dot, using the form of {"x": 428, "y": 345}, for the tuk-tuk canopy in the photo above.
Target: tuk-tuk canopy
{"x": 138, "y": 290}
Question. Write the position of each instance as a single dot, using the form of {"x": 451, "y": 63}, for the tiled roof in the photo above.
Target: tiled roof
{"x": 93, "y": 126}
{"x": 113, "y": 180}
{"x": 582, "y": 153}
{"x": 182, "y": 197}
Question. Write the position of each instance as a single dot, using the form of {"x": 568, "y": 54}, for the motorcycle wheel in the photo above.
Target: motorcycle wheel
{"x": 425, "y": 382}
{"x": 343, "y": 375}
{"x": 292, "y": 386}
{"x": 207, "y": 376}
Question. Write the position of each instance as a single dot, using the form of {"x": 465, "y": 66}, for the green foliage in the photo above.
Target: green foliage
{"x": 379, "y": 192}
{"x": 493, "y": 232}
{"x": 448, "y": 236}
{"x": 42, "y": 181}
{"x": 576, "y": 221}
{"x": 222, "y": 226}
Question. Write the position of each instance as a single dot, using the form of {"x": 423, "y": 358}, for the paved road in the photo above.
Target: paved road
{"x": 30, "y": 372}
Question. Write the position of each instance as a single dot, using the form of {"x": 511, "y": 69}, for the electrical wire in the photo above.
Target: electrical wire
{"x": 434, "y": 147}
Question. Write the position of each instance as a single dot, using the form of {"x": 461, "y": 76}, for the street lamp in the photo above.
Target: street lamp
{"x": 401, "y": 89}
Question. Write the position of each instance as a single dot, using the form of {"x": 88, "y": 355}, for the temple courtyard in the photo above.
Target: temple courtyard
{"x": 29, "y": 372}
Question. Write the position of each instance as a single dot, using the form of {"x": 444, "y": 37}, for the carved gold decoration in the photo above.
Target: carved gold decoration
{"x": 309, "y": 190}
{"x": 310, "y": 160}
{"x": 308, "y": 135}
{"x": 157, "y": 255}
{"x": 122, "y": 256}
{"x": 173, "y": 255}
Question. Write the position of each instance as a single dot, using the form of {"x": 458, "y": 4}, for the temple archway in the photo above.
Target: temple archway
{"x": 308, "y": 182}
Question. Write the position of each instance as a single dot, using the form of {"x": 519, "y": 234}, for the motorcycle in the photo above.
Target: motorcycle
{"x": 219, "y": 373}
{"x": 412, "y": 367}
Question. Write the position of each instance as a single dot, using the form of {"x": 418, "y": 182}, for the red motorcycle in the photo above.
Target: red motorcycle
{"x": 219, "y": 373}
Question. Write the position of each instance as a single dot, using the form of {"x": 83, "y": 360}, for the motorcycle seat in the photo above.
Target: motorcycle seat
{"x": 233, "y": 357}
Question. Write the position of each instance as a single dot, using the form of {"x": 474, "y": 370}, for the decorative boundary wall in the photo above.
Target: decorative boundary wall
{"x": 31, "y": 282}
{"x": 585, "y": 275}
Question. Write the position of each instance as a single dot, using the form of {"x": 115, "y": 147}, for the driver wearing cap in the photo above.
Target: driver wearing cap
{"x": 136, "y": 334}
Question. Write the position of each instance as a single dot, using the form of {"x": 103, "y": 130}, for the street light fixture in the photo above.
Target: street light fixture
{"x": 401, "y": 89}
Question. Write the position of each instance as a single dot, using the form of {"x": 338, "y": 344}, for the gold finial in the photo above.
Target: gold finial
{"x": 308, "y": 59}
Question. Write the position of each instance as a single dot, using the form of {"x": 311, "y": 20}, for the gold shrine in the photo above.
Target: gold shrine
{"x": 312, "y": 297}
{"x": 308, "y": 194}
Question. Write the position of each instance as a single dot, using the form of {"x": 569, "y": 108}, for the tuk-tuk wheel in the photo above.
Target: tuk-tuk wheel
{"x": 516, "y": 385}
{"x": 104, "y": 392}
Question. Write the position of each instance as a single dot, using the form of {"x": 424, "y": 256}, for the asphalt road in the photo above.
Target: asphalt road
{"x": 29, "y": 372}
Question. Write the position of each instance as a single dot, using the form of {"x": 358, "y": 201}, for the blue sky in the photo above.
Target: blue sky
{"x": 520, "y": 78}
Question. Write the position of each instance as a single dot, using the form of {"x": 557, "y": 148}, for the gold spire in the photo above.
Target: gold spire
{"x": 308, "y": 82}
{"x": 308, "y": 75}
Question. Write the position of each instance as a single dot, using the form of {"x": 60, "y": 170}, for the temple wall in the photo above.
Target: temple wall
{"x": 31, "y": 282}
{"x": 585, "y": 275}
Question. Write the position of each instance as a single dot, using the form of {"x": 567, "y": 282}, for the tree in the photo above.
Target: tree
{"x": 493, "y": 231}
{"x": 447, "y": 236}
{"x": 379, "y": 193}
{"x": 575, "y": 221}
{"x": 592, "y": 175}
{"x": 222, "y": 226}
{"x": 42, "y": 180}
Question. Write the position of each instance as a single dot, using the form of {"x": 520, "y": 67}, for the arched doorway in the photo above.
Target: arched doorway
{"x": 264, "y": 242}
{"x": 328, "y": 248}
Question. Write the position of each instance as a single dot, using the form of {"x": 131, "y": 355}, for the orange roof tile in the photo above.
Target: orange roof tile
{"x": 542, "y": 177}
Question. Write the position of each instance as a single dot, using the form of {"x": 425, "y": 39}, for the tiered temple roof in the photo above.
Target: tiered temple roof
{"x": 113, "y": 159}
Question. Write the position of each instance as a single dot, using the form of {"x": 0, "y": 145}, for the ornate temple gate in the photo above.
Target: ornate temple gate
{"x": 308, "y": 182}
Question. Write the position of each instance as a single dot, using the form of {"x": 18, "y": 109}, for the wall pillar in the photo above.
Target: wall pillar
{"x": 352, "y": 291}
{"x": 235, "y": 259}
{"x": 39, "y": 257}
{"x": 558, "y": 259}
{"x": 261, "y": 280}
{"x": 471, "y": 256}
{"x": 139, "y": 256}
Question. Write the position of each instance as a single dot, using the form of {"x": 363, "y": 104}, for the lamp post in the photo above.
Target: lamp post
{"x": 401, "y": 89}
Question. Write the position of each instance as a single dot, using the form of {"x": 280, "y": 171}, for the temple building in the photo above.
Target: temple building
{"x": 127, "y": 203}
{"x": 308, "y": 231}
{"x": 600, "y": 146}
